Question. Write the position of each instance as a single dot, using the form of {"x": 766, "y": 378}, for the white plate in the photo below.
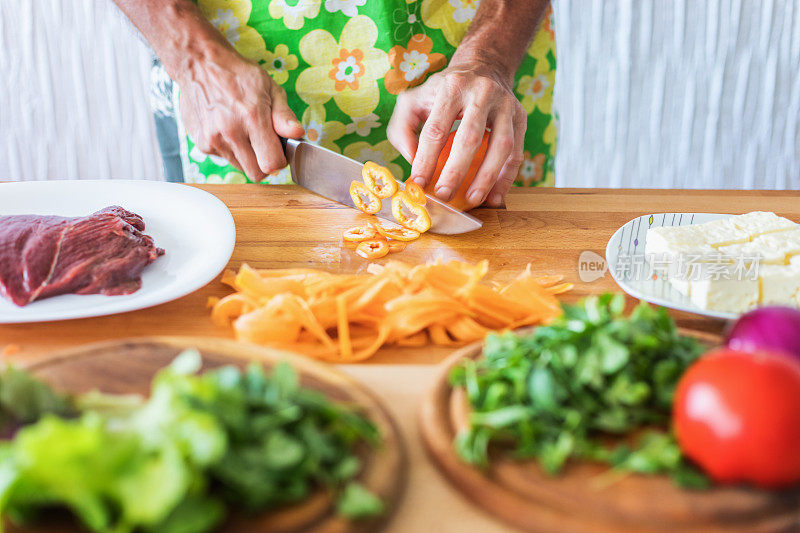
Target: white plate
{"x": 629, "y": 241}
{"x": 194, "y": 228}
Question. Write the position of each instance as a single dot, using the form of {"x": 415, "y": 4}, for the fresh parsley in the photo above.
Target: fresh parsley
{"x": 560, "y": 392}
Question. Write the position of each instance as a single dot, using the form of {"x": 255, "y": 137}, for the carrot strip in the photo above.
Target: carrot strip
{"x": 231, "y": 307}
{"x": 346, "y": 318}
{"x": 560, "y": 288}
{"x": 548, "y": 281}
{"x": 229, "y": 278}
{"x": 414, "y": 341}
{"x": 439, "y": 335}
{"x": 345, "y": 346}
{"x": 306, "y": 318}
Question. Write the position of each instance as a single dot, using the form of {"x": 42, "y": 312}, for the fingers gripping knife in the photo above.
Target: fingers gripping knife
{"x": 329, "y": 174}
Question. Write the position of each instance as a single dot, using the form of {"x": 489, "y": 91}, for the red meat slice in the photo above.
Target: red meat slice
{"x": 43, "y": 256}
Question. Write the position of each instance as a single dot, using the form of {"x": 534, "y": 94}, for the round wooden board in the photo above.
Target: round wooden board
{"x": 580, "y": 499}
{"x": 128, "y": 366}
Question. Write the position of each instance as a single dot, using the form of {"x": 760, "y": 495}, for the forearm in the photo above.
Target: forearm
{"x": 178, "y": 33}
{"x": 500, "y": 34}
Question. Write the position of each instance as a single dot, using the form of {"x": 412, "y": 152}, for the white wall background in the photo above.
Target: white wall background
{"x": 681, "y": 93}
{"x": 659, "y": 93}
{"x": 74, "y": 82}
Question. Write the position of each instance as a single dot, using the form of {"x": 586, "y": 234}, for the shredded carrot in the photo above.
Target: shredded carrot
{"x": 345, "y": 345}
{"x": 439, "y": 335}
{"x": 416, "y": 340}
{"x": 228, "y": 277}
{"x": 346, "y": 318}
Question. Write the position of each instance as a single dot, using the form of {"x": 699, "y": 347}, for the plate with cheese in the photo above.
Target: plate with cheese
{"x": 712, "y": 264}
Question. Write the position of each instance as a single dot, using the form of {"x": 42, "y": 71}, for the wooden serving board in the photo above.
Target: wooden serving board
{"x": 128, "y": 366}
{"x": 585, "y": 497}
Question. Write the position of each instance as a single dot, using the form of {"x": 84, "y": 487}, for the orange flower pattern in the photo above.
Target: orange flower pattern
{"x": 532, "y": 169}
{"x": 547, "y": 23}
{"x": 347, "y": 68}
{"x": 411, "y": 65}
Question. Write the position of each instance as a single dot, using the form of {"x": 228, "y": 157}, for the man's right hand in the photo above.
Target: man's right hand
{"x": 229, "y": 105}
{"x": 232, "y": 108}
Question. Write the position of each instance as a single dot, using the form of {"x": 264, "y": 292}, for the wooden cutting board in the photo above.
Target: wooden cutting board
{"x": 585, "y": 498}
{"x": 128, "y": 366}
{"x": 285, "y": 226}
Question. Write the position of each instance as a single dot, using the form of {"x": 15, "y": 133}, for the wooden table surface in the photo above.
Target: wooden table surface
{"x": 285, "y": 226}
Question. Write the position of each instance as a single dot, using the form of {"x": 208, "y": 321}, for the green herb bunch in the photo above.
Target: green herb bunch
{"x": 562, "y": 391}
{"x": 178, "y": 462}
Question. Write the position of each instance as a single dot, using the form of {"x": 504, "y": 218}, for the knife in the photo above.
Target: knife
{"x": 329, "y": 174}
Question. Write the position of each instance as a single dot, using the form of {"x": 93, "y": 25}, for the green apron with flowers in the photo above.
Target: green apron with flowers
{"x": 343, "y": 63}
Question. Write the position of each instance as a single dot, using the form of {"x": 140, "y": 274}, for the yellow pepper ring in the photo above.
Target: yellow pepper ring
{"x": 396, "y": 234}
{"x": 416, "y": 193}
{"x": 359, "y": 233}
{"x": 410, "y": 214}
{"x": 379, "y": 180}
{"x": 364, "y": 199}
{"x": 372, "y": 249}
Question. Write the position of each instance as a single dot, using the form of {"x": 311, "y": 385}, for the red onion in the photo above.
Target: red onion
{"x": 767, "y": 328}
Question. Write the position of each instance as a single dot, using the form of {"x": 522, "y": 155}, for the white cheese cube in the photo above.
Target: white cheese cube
{"x": 730, "y": 295}
{"x": 771, "y": 249}
{"x": 675, "y": 240}
{"x": 762, "y": 222}
{"x": 714, "y": 263}
{"x": 722, "y": 232}
{"x": 780, "y": 284}
{"x": 678, "y": 252}
{"x": 697, "y": 239}
{"x": 683, "y": 286}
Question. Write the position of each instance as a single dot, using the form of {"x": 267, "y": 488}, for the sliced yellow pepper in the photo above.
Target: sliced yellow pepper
{"x": 409, "y": 213}
{"x": 373, "y": 249}
{"x": 416, "y": 193}
{"x": 397, "y": 234}
{"x": 364, "y": 199}
{"x": 379, "y": 180}
{"x": 359, "y": 233}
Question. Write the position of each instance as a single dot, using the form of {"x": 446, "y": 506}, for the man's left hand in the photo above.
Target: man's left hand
{"x": 481, "y": 96}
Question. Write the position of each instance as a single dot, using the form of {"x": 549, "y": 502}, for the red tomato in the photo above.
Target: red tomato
{"x": 737, "y": 415}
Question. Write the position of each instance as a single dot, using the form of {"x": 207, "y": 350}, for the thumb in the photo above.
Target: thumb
{"x": 284, "y": 120}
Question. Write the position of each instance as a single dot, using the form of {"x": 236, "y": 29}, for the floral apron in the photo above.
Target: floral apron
{"x": 343, "y": 63}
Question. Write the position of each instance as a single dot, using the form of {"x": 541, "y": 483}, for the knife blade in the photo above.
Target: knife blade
{"x": 329, "y": 174}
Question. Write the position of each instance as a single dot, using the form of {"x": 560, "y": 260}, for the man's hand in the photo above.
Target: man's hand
{"x": 233, "y": 109}
{"x": 481, "y": 96}
{"x": 229, "y": 105}
{"x": 476, "y": 87}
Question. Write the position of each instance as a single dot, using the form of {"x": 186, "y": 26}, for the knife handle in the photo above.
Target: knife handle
{"x": 289, "y": 146}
